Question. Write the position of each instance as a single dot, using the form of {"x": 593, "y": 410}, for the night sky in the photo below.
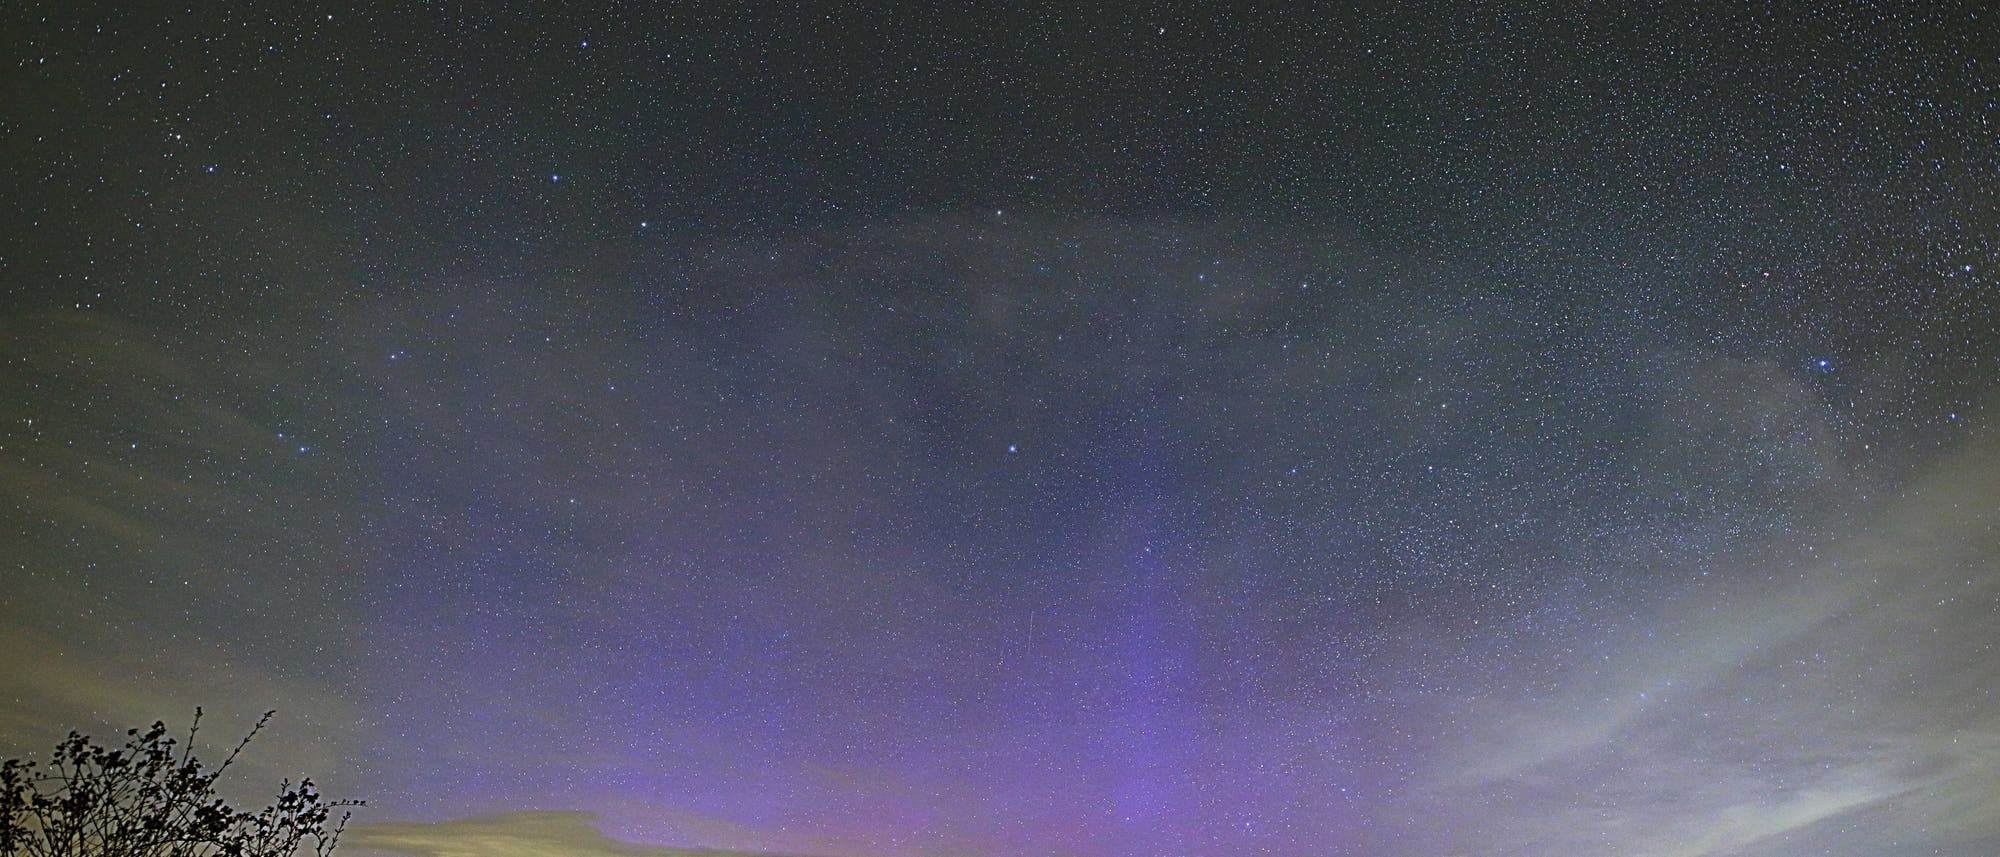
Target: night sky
{"x": 1531, "y": 429}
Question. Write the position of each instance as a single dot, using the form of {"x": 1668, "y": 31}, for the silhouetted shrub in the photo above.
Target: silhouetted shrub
{"x": 146, "y": 799}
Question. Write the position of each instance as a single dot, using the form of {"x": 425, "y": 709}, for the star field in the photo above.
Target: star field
{"x": 911, "y": 430}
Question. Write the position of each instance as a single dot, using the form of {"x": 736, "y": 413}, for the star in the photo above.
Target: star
{"x": 1696, "y": 385}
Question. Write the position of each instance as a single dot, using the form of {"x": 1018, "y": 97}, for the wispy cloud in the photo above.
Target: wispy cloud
{"x": 1750, "y": 724}
{"x": 512, "y": 834}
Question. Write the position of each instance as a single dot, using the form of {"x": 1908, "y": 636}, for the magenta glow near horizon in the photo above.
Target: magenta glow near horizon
{"x": 896, "y": 431}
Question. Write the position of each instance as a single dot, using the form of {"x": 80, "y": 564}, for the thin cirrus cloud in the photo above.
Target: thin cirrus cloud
{"x": 512, "y": 834}
{"x": 1782, "y": 720}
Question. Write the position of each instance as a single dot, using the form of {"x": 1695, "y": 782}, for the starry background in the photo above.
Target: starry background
{"x": 901, "y": 430}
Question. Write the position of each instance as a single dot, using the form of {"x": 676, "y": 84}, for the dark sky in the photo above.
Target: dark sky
{"x": 897, "y": 430}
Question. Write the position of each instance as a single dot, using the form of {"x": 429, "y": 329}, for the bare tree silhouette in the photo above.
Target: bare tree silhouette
{"x": 148, "y": 799}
